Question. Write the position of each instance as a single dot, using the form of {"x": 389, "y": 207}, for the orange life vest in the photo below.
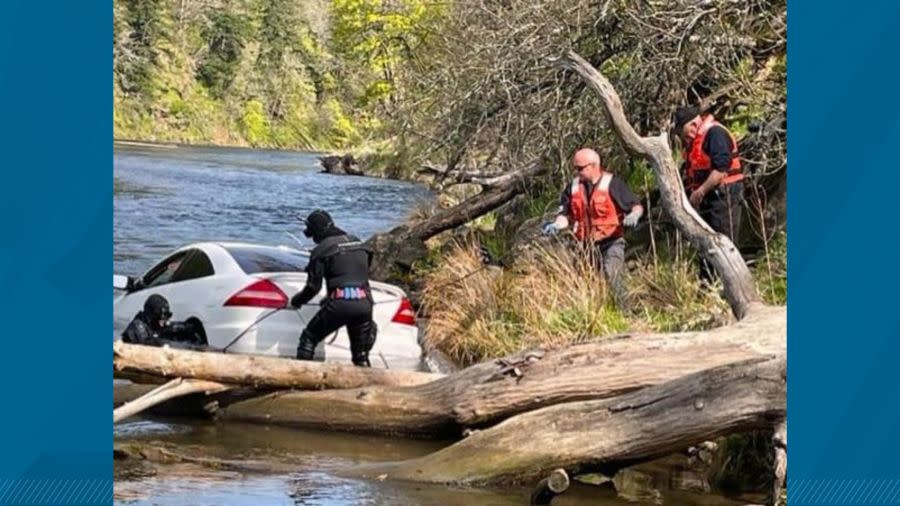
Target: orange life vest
{"x": 601, "y": 218}
{"x": 698, "y": 162}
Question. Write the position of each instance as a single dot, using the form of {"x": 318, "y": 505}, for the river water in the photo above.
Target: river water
{"x": 165, "y": 197}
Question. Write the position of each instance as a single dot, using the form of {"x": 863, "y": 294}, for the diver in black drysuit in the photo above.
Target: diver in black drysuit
{"x": 342, "y": 260}
{"x": 152, "y": 326}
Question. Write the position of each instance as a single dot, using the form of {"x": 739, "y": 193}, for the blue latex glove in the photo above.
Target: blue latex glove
{"x": 631, "y": 220}
{"x": 550, "y": 228}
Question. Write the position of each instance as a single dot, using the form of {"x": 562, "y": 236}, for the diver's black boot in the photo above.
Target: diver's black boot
{"x": 361, "y": 359}
{"x": 306, "y": 350}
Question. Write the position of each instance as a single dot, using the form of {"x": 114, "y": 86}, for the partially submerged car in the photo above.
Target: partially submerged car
{"x": 238, "y": 295}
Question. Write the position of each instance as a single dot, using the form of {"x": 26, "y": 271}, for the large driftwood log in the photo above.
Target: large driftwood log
{"x": 489, "y": 392}
{"x": 254, "y": 371}
{"x": 608, "y": 434}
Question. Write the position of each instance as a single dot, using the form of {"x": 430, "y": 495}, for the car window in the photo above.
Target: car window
{"x": 195, "y": 265}
{"x": 259, "y": 259}
{"x": 162, "y": 273}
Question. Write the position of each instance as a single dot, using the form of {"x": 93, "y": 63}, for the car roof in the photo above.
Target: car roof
{"x": 236, "y": 244}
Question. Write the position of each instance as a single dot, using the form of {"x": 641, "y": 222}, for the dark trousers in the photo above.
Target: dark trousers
{"x": 609, "y": 255}
{"x": 333, "y": 314}
{"x": 722, "y": 208}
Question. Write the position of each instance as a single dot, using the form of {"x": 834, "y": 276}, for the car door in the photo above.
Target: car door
{"x": 153, "y": 281}
{"x": 179, "y": 278}
{"x": 191, "y": 290}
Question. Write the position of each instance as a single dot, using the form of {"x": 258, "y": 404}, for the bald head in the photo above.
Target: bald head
{"x": 586, "y": 163}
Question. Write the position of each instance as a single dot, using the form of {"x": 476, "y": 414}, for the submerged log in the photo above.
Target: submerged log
{"x": 253, "y": 371}
{"x": 158, "y": 454}
{"x": 607, "y": 435}
{"x": 550, "y": 487}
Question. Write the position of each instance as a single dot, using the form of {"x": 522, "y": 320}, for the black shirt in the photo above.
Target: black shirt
{"x": 717, "y": 145}
{"x": 618, "y": 190}
{"x": 341, "y": 261}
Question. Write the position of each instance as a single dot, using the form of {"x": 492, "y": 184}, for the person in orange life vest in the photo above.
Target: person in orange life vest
{"x": 712, "y": 173}
{"x": 711, "y": 169}
{"x": 595, "y": 204}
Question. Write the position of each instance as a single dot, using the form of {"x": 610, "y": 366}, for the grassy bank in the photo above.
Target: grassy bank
{"x": 550, "y": 296}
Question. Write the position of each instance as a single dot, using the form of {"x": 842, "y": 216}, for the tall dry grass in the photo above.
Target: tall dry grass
{"x": 552, "y": 297}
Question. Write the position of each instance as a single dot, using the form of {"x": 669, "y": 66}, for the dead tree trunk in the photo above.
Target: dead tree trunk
{"x": 254, "y": 371}
{"x": 492, "y": 391}
{"x": 477, "y": 396}
{"x": 400, "y": 247}
{"x": 608, "y": 434}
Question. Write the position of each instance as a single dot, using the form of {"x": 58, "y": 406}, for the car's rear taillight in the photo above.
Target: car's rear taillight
{"x": 405, "y": 314}
{"x": 262, "y": 293}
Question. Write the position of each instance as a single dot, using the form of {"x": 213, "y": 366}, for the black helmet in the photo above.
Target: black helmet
{"x": 317, "y": 223}
{"x": 156, "y": 308}
{"x": 683, "y": 115}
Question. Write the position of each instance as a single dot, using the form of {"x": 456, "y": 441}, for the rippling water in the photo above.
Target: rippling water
{"x": 166, "y": 197}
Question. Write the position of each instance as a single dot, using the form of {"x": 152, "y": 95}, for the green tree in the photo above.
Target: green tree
{"x": 226, "y": 37}
{"x": 149, "y": 29}
{"x": 379, "y": 36}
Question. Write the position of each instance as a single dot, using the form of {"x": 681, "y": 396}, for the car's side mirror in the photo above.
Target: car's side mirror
{"x": 126, "y": 283}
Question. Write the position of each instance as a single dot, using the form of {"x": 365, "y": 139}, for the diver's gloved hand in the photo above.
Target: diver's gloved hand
{"x": 550, "y": 228}
{"x": 631, "y": 220}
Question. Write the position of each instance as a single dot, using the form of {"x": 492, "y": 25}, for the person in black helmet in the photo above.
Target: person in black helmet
{"x": 342, "y": 260}
{"x": 152, "y": 326}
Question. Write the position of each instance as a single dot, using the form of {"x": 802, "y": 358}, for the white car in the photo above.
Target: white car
{"x": 237, "y": 293}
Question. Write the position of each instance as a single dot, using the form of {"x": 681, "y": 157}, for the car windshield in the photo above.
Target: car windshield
{"x": 259, "y": 259}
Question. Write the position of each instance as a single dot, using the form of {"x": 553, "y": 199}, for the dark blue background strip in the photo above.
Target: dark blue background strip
{"x": 844, "y": 320}
{"x": 56, "y": 252}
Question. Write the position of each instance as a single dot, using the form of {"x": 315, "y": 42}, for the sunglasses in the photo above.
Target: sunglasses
{"x": 579, "y": 168}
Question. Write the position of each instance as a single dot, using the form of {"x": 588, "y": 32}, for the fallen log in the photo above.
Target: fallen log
{"x": 401, "y": 246}
{"x": 175, "y": 388}
{"x": 492, "y": 391}
{"x": 606, "y": 435}
{"x": 253, "y": 371}
{"x": 127, "y": 392}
